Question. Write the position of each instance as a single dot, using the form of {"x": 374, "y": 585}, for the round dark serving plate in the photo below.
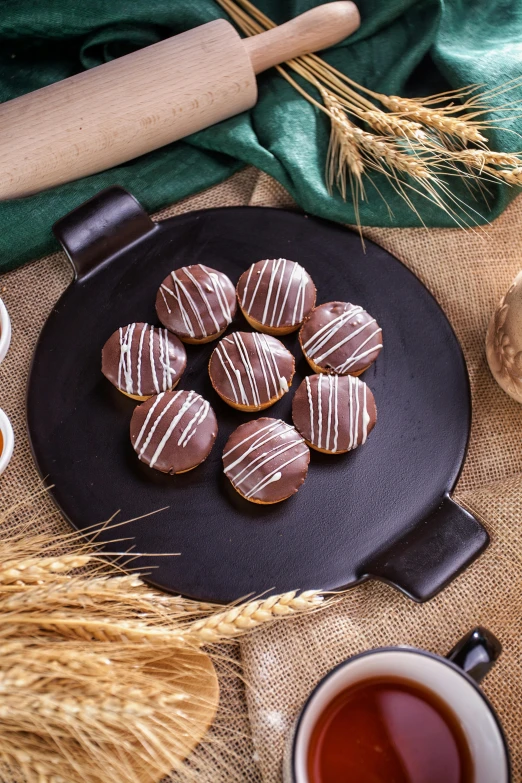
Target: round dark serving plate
{"x": 382, "y": 511}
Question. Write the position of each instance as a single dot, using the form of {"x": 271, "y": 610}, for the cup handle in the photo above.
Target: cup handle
{"x": 476, "y": 653}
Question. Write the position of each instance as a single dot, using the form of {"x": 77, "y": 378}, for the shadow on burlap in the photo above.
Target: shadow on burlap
{"x": 467, "y": 273}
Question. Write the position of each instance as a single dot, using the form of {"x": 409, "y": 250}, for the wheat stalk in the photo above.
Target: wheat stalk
{"x": 481, "y": 158}
{"x": 492, "y": 164}
{"x": 380, "y": 150}
{"x": 346, "y": 147}
{"x": 160, "y": 628}
{"x": 511, "y": 176}
{"x": 37, "y": 570}
{"x": 69, "y": 710}
{"x": 74, "y": 625}
{"x": 392, "y": 125}
{"x": 436, "y": 130}
{"x": 246, "y": 617}
{"x": 96, "y": 593}
{"x": 98, "y": 670}
{"x": 90, "y": 687}
{"x": 36, "y": 768}
{"x": 386, "y": 153}
{"x": 64, "y": 676}
{"x": 450, "y": 125}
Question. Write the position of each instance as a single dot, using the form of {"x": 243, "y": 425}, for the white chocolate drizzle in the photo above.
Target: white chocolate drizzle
{"x": 135, "y": 354}
{"x": 327, "y": 396}
{"x": 196, "y": 295}
{"x": 286, "y": 283}
{"x": 259, "y": 464}
{"x": 154, "y": 419}
{"x": 251, "y": 385}
{"x": 330, "y": 337}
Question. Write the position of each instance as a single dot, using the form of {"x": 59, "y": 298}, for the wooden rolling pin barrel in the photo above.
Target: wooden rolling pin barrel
{"x": 122, "y": 109}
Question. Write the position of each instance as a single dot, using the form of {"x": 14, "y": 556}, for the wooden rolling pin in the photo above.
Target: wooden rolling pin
{"x": 137, "y": 103}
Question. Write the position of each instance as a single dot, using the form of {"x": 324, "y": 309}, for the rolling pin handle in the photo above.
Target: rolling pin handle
{"x": 100, "y": 228}
{"x": 316, "y": 29}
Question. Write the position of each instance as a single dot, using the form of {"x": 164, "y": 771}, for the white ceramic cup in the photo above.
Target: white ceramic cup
{"x": 8, "y": 441}
{"x": 5, "y": 331}
{"x": 454, "y": 679}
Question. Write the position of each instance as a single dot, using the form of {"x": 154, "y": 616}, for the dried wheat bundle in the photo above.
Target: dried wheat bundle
{"x": 104, "y": 678}
{"x": 89, "y": 713}
{"x": 415, "y": 143}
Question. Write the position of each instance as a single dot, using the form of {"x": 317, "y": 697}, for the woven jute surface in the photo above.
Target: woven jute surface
{"x": 467, "y": 273}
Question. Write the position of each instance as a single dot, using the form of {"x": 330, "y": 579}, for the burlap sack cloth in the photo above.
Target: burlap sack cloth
{"x": 467, "y": 273}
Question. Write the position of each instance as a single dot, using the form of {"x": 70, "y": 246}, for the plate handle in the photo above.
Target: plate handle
{"x": 100, "y": 228}
{"x": 439, "y": 549}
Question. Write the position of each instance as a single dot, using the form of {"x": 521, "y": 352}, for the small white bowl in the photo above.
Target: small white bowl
{"x": 8, "y": 441}
{"x": 5, "y": 331}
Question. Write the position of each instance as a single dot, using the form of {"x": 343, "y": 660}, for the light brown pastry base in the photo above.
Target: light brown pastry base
{"x": 179, "y": 472}
{"x": 194, "y": 341}
{"x": 275, "y": 331}
{"x": 317, "y": 369}
{"x": 135, "y": 396}
{"x": 248, "y": 408}
{"x": 264, "y": 502}
{"x": 148, "y": 396}
{"x": 326, "y": 451}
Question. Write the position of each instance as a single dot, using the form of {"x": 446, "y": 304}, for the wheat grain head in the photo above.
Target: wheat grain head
{"x": 449, "y": 125}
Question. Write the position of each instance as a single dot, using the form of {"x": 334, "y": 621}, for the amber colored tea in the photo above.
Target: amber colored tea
{"x": 388, "y": 730}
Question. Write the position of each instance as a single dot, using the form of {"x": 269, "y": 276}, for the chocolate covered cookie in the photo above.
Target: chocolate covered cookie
{"x": 341, "y": 338}
{"x": 276, "y": 295}
{"x": 251, "y": 371}
{"x": 196, "y": 302}
{"x": 266, "y": 460}
{"x": 174, "y": 431}
{"x": 334, "y": 413}
{"x": 142, "y": 360}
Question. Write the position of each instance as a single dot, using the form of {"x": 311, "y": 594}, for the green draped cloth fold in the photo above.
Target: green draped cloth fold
{"x": 406, "y": 47}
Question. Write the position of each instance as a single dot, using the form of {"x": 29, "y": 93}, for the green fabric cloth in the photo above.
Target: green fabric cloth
{"x": 402, "y": 47}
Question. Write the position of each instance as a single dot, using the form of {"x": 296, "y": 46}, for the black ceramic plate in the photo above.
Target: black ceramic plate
{"x": 382, "y": 511}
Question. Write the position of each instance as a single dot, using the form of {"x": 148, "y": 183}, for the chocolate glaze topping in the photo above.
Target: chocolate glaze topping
{"x": 276, "y": 292}
{"x": 334, "y": 413}
{"x": 196, "y": 302}
{"x": 173, "y": 431}
{"x": 142, "y": 360}
{"x": 266, "y": 460}
{"x": 250, "y": 368}
{"x": 341, "y": 338}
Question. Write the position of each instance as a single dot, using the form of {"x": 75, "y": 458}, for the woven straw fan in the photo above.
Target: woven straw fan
{"x": 122, "y": 109}
{"x": 197, "y": 679}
